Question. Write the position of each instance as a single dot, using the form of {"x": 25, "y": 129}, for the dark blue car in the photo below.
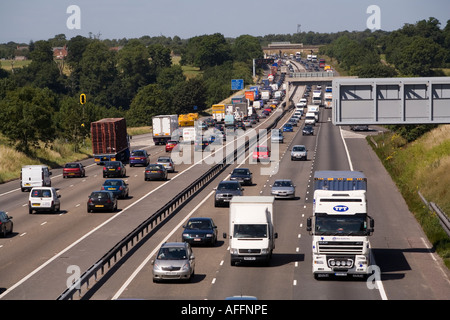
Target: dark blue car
{"x": 117, "y": 187}
{"x": 288, "y": 127}
{"x": 139, "y": 157}
{"x": 200, "y": 231}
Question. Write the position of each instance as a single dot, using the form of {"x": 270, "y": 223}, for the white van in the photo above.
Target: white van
{"x": 43, "y": 199}
{"x": 34, "y": 176}
{"x": 310, "y": 118}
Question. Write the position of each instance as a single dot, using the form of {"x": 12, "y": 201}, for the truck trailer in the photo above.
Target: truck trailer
{"x": 340, "y": 225}
{"x": 110, "y": 140}
{"x": 251, "y": 229}
{"x": 164, "y": 127}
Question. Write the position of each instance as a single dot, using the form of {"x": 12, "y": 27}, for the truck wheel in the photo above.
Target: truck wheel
{"x": 30, "y": 211}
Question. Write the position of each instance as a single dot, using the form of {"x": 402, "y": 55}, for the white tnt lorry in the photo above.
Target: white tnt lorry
{"x": 340, "y": 225}
{"x": 251, "y": 229}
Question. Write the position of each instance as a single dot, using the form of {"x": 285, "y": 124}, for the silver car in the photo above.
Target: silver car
{"x": 174, "y": 261}
{"x": 167, "y": 162}
{"x": 299, "y": 152}
{"x": 283, "y": 188}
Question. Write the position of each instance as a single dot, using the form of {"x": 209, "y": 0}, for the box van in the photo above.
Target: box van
{"x": 43, "y": 199}
{"x": 34, "y": 176}
{"x": 310, "y": 118}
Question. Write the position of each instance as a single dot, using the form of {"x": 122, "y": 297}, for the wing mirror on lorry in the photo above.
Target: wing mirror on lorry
{"x": 308, "y": 224}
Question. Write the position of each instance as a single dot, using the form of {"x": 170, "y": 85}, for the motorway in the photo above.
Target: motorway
{"x": 41, "y": 255}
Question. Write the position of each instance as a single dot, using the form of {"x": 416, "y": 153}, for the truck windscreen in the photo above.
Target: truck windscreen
{"x": 340, "y": 224}
{"x": 250, "y": 231}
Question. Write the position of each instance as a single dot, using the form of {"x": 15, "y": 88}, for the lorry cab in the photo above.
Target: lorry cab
{"x": 34, "y": 176}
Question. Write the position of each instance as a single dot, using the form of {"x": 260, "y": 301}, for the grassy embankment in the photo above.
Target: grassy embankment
{"x": 424, "y": 166}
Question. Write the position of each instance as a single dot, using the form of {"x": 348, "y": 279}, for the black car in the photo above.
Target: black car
{"x": 308, "y": 130}
{"x": 155, "y": 172}
{"x": 200, "y": 231}
{"x": 6, "y": 225}
{"x": 243, "y": 175}
{"x": 114, "y": 169}
{"x": 225, "y": 191}
{"x": 101, "y": 200}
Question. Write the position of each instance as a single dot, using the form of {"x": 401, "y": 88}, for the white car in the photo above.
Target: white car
{"x": 43, "y": 199}
{"x": 299, "y": 152}
{"x": 167, "y": 162}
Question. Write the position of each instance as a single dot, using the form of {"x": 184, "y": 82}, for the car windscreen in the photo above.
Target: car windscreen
{"x": 41, "y": 193}
{"x": 139, "y": 153}
{"x": 282, "y": 184}
{"x": 71, "y": 165}
{"x": 241, "y": 171}
{"x": 228, "y": 186}
{"x": 250, "y": 231}
{"x": 99, "y": 195}
{"x": 298, "y": 149}
{"x": 172, "y": 254}
{"x": 112, "y": 183}
{"x": 199, "y": 224}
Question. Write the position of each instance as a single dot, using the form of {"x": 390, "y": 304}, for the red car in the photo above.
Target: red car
{"x": 261, "y": 153}
{"x": 170, "y": 145}
{"x": 73, "y": 169}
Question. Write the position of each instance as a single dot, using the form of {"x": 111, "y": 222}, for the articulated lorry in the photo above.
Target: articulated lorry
{"x": 110, "y": 140}
{"x": 340, "y": 225}
{"x": 164, "y": 127}
{"x": 251, "y": 229}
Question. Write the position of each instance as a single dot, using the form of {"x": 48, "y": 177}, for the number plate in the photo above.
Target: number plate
{"x": 249, "y": 258}
{"x": 99, "y": 206}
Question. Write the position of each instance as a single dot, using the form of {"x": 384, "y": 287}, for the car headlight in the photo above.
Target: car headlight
{"x": 156, "y": 266}
{"x": 186, "y": 267}
{"x": 265, "y": 251}
{"x": 234, "y": 251}
{"x": 209, "y": 235}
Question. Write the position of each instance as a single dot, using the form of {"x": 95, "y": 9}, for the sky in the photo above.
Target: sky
{"x": 25, "y": 20}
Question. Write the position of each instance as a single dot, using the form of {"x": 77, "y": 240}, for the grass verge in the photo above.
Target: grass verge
{"x": 421, "y": 165}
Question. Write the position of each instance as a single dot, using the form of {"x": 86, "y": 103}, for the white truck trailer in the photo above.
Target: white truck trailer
{"x": 164, "y": 127}
{"x": 251, "y": 229}
{"x": 340, "y": 225}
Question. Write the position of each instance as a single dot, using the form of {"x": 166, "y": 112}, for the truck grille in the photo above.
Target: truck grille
{"x": 244, "y": 251}
{"x": 340, "y": 247}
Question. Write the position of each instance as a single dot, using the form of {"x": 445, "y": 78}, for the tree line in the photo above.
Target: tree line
{"x": 40, "y": 102}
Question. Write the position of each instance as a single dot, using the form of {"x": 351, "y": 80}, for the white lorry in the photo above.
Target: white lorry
{"x": 340, "y": 225}
{"x": 314, "y": 109}
{"x": 251, "y": 229}
{"x": 34, "y": 176}
{"x": 317, "y": 97}
{"x": 164, "y": 127}
{"x": 310, "y": 118}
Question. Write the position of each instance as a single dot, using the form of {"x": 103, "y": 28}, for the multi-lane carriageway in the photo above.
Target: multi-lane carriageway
{"x": 38, "y": 260}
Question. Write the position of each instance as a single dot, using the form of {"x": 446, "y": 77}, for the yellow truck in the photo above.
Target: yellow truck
{"x": 187, "y": 120}
{"x": 218, "y": 112}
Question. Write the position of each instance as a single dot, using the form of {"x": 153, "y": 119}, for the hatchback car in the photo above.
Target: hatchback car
{"x": 243, "y": 175}
{"x": 118, "y": 187}
{"x": 225, "y": 191}
{"x": 288, "y": 127}
{"x": 293, "y": 122}
{"x": 277, "y": 136}
{"x": 283, "y": 188}
{"x": 299, "y": 152}
{"x": 200, "y": 231}
{"x": 308, "y": 131}
{"x": 261, "y": 153}
{"x": 114, "y": 169}
{"x": 167, "y": 162}
{"x": 170, "y": 145}
{"x": 139, "y": 157}
{"x": 155, "y": 172}
{"x": 6, "y": 225}
{"x": 73, "y": 169}
{"x": 101, "y": 200}
{"x": 43, "y": 199}
{"x": 174, "y": 261}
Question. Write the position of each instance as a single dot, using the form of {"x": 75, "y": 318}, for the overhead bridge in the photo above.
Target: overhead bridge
{"x": 313, "y": 78}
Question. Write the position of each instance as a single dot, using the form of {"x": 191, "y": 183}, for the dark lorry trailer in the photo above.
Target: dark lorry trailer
{"x": 110, "y": 141}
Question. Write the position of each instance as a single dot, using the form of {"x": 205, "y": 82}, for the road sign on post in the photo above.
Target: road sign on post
{"x": 237, "y": 84}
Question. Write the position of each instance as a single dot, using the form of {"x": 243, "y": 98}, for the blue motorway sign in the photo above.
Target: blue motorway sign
{"x": 237, "y": 84}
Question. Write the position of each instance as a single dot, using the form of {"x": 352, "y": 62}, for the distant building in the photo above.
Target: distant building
{"x": 116, "y": 48}
{"x": 60, "y": 52}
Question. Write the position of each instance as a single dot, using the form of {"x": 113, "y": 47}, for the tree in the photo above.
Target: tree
{"x": 160, "y": 56}
{"x": 98, "y": 72}
{"x": 189, "y": 94}
{"x": 26, "y": 116}
{"x": 148, "y": 102}
{"x": 207, "y": 51}
{"x": 246, "y": 48}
